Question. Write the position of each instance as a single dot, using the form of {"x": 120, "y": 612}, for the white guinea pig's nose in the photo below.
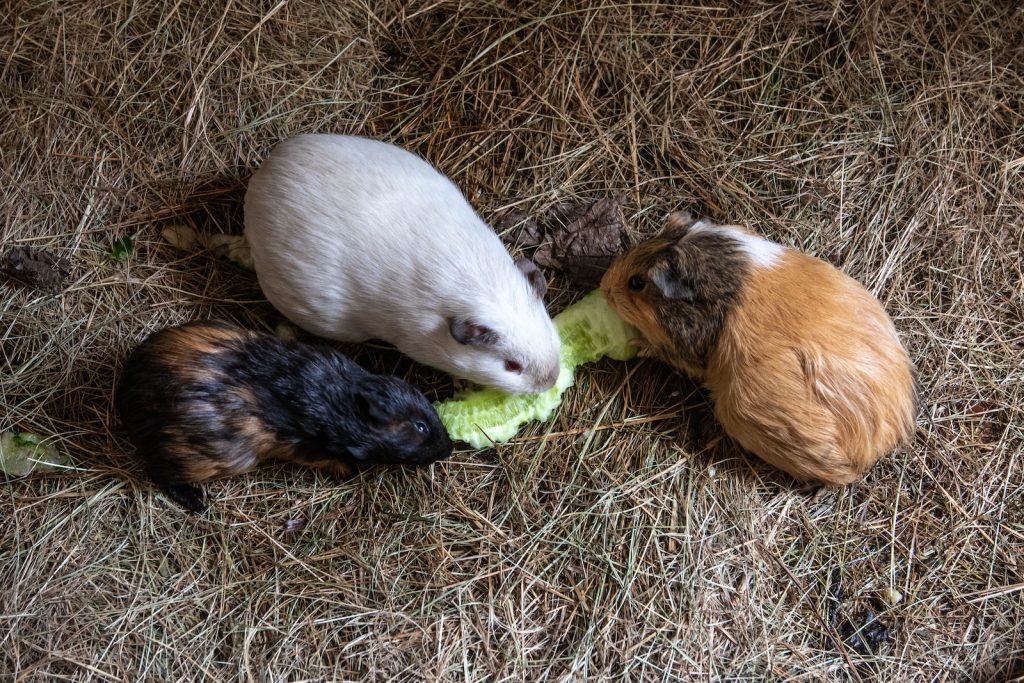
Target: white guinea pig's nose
{"x": 550, "y": 377}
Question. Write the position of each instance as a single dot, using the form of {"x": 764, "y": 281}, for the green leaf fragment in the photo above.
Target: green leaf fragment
{"x": 25, "y": 439}
{"x": 24, "y": 452}
{"x": 589, "y": 330}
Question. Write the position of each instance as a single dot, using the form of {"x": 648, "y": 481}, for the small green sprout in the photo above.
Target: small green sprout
{"x": 122, "y": 248}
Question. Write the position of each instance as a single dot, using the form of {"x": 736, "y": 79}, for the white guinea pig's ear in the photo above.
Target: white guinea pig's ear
{"x": 468, "y": 332}
{"x": 668, "y": 282}
{"x": 533, "y": 275}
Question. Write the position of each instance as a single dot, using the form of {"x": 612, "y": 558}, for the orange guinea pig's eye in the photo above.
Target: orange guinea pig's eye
{"x": 636, "y": 283}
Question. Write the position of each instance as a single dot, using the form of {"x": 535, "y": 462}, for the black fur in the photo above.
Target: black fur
{"x": 207, "y": 399}
{"x": 187, "y": 496}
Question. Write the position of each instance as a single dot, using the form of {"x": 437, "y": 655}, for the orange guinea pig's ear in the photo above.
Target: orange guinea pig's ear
{"x": 668, "y": 282}
{"x": 677, "y": 224}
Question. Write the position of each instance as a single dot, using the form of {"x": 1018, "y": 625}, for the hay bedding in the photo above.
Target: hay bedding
{"x": 632, "y": 541}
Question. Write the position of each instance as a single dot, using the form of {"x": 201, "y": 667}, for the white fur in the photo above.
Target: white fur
{"x": 760, "y": 251}
{"x": 355, "y": 239}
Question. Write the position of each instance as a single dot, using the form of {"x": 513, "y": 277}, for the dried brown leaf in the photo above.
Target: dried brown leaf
{"x": 36, "y": 268}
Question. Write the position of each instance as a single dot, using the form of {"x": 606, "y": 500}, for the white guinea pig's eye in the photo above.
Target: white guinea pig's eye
{"x": 420, "y": 426}
{"x": 514, "y": 367}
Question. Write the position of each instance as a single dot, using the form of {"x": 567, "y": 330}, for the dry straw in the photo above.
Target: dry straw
{"x": 623, "y": 539}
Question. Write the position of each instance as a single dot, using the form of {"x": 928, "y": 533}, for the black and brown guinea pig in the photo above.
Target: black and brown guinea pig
{"x": 208, "y": 399}
{"x": 803, "y": 364}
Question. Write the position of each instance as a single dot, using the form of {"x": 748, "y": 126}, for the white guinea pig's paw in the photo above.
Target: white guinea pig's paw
{"x": 232, "y": 247}
{"x": 286, "y": 331}
{"x": 461, "y": 385}
{"x": 181, "y": 236}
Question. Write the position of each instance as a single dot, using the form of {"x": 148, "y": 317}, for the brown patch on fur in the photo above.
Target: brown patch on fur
{"x": 195, "y": 469}
{"x": 248, "y": 427}
{"x": 247, "y": 442}
{"x": 182, "y": 347}
{"x": 335, "y": 468}
{"x": 253, "y": 436}
{"x": 397, "y": 426}
{"x": 212, "y": 459}
{"x": 205, "y": 336}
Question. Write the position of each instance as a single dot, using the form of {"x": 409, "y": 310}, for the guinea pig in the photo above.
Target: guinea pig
{"x": 208, "y": 399}
{"x": 356, "y": 239}
{"x": 803, "y": 365}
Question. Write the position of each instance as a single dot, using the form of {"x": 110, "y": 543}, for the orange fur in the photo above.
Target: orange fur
{"x": 253, "y": 444}
{"x": 334, "y": 468}
{"x": 810, "y": 375}
{"x": 807, "y": 371}
{"x": 656, "y": 341}
{"x": 180, "y": 347}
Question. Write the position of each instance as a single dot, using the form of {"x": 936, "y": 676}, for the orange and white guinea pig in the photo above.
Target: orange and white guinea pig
{"x": 804, "y": 366}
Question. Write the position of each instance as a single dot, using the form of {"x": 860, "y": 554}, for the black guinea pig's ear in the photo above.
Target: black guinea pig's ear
{"x": 533, "y": 275}
{"x": 669, "y": 283}
{"x": 470, "y": 333}
{"x": 372, "y": 403}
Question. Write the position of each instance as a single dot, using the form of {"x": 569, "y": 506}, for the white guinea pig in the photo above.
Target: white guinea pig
{"x": 356, "y": 239}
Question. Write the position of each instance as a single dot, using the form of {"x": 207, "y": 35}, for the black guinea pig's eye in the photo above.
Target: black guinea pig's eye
{"x": 420, "y": 426}
{"x": 636, "y": 283}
